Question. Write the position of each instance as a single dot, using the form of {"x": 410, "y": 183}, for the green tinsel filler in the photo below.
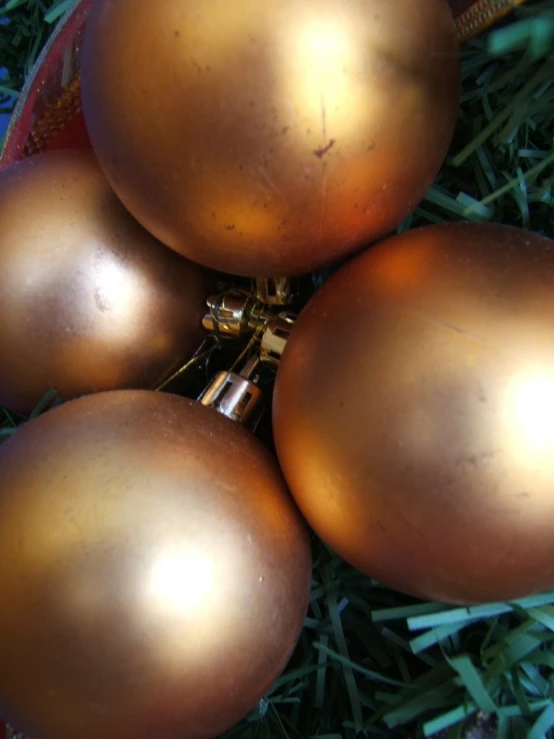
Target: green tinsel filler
{"x": 372, "y": 662}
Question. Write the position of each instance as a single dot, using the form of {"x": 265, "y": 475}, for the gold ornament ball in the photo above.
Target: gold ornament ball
{"x": 414, "y": 412}
{"x": 89, "y": 300}
{"x": 155, "y": 570}
{"x": 270, "y": 137}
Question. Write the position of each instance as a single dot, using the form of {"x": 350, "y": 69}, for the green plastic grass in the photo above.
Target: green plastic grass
{"x": 372, "y": 662}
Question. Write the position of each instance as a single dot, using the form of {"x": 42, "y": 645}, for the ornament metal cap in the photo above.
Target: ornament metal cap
{"x": 274, "y": 338}
{"x": 235, "y": 395}
{"x": 276, "y": 291}
{"x": 234, "y": 313}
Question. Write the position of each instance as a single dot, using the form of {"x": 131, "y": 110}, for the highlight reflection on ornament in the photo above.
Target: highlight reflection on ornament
{"x": 89, "y": 301}
{"x": 286, "y": 134}
{"x": 530, "y": 400}
{"x": 155, "y": 570}
{"x": 182, "y": 581}
{"x": 413, "y": 412}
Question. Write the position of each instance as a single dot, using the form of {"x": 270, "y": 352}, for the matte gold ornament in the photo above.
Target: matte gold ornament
{"x": 89, "y": 300}
{"x": 155, "y": 571}
{"x": 414, "y": 412}
{"x": 270, "y": 137}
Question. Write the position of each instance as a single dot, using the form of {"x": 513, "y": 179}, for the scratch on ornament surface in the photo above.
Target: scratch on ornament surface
{"x": 410, "y": 525}
{"x": 447, "y": 326}
{"x": 323, "y": 173}
{"x": 291, "y": 109}
{"x": 323, "y": 122}
{"x": 320, "y": 153}
{"x": 265, "y": 174}
{"x": 462, "y": 332}
{"x": 323, "y": 202}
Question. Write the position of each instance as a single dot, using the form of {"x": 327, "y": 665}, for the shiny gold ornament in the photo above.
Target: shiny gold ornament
{"x": 270, "y": 137}
{"x": 89, "y": 300}
{"x": 155, "y": 571}
{"x": 414, "y": 412}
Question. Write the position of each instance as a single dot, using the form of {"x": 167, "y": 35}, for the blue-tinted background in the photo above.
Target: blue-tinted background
{"x": 4, "y": 120}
